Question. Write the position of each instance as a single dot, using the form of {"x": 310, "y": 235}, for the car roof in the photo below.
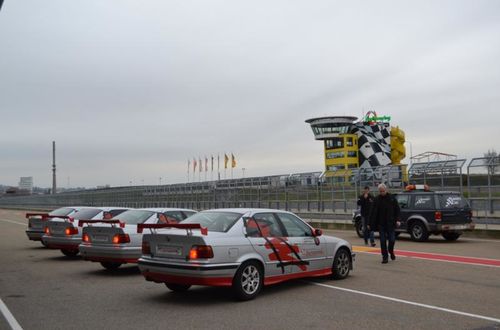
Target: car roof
{"x": 245, "y": 210}
{"x": 165, "y": 209}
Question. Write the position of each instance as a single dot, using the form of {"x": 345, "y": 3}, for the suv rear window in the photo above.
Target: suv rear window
{"x": 452, "y": 201}
{"x": 423, "y": 202}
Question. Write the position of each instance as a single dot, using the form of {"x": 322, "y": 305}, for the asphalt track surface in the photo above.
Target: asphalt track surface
{"x": 42, "y": 289}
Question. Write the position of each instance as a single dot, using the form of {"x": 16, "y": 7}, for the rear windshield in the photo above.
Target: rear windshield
{"x": 452, "y": 201}
{"x": 86, "y": 214}
{"x": 215, "y": 221}
{"x": 62, "y": 211}
{"x": 134, "y": 217}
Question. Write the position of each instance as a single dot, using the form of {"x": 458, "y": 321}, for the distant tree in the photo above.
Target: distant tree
{"x": 492, "y": 161}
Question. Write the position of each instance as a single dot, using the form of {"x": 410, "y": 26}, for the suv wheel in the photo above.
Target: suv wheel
{"x": 359, "y": 228}
{"x": 451, "y": 236}
{"x": 418, "y": 232}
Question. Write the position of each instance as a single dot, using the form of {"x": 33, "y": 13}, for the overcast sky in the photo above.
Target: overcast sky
{"x": 130, "y": 90}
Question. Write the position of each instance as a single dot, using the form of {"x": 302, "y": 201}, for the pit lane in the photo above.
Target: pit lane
{"x": 45, "y": 290}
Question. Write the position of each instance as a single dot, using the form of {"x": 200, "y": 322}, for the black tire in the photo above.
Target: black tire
{"x": 43, "y": 243}
{"x": 359, "y": 228}
{"x": 397, "y": 234}
{"x": 418, "y": 231}
{"x": 111, "y": 265}
{"x": 341, "y": 264}
{"x": 178, "y": 287}
{"x": 69, "y": 253}
{"x": 451, "y": 236}
{"x": 248, "y": 280}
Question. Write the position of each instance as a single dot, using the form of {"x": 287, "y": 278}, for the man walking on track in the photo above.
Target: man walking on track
{"x": 384, "y": 218}
{"x": 365, "y": 201}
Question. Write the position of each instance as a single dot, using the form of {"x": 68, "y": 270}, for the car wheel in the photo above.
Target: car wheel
{"x": 43, "y": 243}
{"x": 451, "y": 236}
{"x": 359, "y": 229}
{"x": 178, "y": 287}
{"x": 418, "y": 232}
{"x": 111, "y": 265}
{"x": 341, "y": 264}
{"x": 69, "y": 253}
{"x": 248, "y": 280}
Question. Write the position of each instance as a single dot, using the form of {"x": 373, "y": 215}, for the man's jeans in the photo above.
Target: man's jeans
{"x": 366, "y": 232}
{"x": 387, "y": 235}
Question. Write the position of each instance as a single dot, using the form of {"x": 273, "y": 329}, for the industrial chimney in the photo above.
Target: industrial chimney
{"x": 53, "y": 167}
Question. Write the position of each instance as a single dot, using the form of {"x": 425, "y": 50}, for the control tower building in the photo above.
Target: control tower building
{"x": 351, "y": 144}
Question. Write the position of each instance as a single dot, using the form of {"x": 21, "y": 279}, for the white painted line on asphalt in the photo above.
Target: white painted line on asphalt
{"x": 17, "y": 223}
{"x": 9, "y": 317}
{"x": 447, "y": 310}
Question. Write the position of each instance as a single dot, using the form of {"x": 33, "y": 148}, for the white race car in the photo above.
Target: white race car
{"x": 116, "y": 241}
{"x": 241, "y": 248}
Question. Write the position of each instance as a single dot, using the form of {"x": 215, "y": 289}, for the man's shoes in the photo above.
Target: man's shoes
{"x": 384, "y": 261}
{"x": 393, "y": 256}
{"x": 373, "y": 244}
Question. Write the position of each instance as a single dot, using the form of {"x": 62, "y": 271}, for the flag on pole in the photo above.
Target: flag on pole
{"x": 201, "y": 164}
{"x": 206, "y": 164}
{"x": 212, "y": 163}
{"x": 226, "y": 160}
{"x": 194, "y": 165}
{"x": 233, "y": 161}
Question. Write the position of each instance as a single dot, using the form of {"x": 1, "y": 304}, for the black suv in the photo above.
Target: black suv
{"x": 426, "y": 212}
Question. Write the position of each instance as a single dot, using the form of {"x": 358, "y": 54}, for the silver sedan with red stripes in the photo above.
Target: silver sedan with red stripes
{"x": 63, "y": 232}
{"x": 240, "y": 248}
{"x": 116, "y": 241}
{"x": 37, "y": 221}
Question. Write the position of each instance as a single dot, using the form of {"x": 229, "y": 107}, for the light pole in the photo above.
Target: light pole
{"x": 243, "y": 170}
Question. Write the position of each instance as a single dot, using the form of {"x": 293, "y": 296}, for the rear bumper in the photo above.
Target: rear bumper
{"x": 187, "y": 273}
{"x": 452, "y": 227}
{"x": 110, "y": 253}
{"x": 62, "y": 242}
{"x": 34, "y": 235}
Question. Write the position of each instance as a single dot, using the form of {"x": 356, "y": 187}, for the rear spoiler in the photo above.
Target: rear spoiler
{"x": 81, "y": 222}
{"x": 46, "y": 216}
{"x": 43, "y": 215}
{"x": 188, "y": 226}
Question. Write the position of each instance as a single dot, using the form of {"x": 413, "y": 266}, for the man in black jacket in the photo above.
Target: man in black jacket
{"x": 384, "y": 218}
{"x": 365, "y": 201}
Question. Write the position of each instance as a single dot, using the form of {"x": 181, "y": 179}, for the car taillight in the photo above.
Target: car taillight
{"x": 146, "y": 248}
{"x": 71, "y": 231}
{"x": 47, "y": 231}
{"x": 438, "y": 216}
{"x": 86, "y": 238}
{"x": 201, "y": 252}
{"x": 121, "y": 238}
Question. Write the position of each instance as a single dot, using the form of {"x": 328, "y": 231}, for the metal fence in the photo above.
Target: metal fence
{"x": 312, "y": 192}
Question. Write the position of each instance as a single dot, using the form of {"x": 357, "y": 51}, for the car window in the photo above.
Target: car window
{"x": 62, "y": 211}
{"x": 423, "y": 202}
{"x": 86, "y": 214}
{"x": 403, "y": 201}
{"x": 263, "y": 225}
{"x": 452, "y": 201}
{"x": 219, "y": 221}
{"x": 294, "y": 226}
{"x": 188, "y": 213}
{"x": 134, "y": 217}
{"x": 172, "y": 217}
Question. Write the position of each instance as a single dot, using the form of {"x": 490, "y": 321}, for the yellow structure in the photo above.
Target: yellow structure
{"x": 341, "y": 152}
{"x": 398, "y": 150}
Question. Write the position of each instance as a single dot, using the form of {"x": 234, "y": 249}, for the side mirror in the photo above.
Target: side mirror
{"x": 318, "y": 232}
